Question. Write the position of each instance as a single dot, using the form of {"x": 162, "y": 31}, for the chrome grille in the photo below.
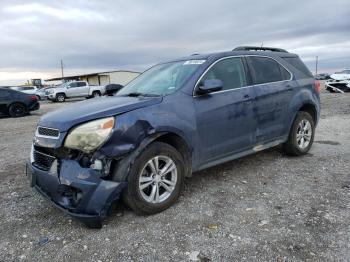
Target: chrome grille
{"x": 51, "y": 132}
{"x": 43, "y": 161}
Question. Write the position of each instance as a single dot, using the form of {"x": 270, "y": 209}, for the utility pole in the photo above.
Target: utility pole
{"x": 316, "y": 63}
{"x": 62, "y": 69}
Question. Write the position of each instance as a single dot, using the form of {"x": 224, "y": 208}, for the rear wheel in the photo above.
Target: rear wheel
{"x": 301, "y": 135}
{"x": 17, "y": 110}
{"x": 60, "y": 98}
{"x": 155, "y": 179}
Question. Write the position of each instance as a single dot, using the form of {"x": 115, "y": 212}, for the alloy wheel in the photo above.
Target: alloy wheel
{"x": 304, "y": 134}
{"x": 158, "y": 179}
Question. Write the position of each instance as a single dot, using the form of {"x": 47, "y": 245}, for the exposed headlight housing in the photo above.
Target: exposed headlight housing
{"x": 89, "y": 136}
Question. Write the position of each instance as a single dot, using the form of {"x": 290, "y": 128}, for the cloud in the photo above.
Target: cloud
{"x": 111, "y": 34}
{"x": 66, "y": 14}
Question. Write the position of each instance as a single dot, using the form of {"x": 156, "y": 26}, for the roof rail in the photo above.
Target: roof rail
{"x": 195, "y": 54}
{"x": 258, "y": 48}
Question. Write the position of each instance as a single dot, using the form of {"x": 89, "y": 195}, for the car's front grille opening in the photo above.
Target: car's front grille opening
{"x": 43, "y": 161}
{"x": 45, "y": 131}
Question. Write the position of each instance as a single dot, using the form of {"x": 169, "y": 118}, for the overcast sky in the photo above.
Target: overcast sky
{"x": 104, "y": 35}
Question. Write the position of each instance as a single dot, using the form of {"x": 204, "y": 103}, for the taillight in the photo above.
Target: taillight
{"x": 34, "y": 98}
{"x": 317, "y": 86}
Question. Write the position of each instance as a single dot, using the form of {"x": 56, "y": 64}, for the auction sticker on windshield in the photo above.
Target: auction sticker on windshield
{"x": 194, "y": 62}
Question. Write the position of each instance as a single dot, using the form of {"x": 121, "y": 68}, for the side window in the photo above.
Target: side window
{"x": 230, "y": 71}
{"x": 72, "y": 85}
{"x": 266, "y": 70}
{"x": 304, "y": 72}
{"x": 81, "y": 84}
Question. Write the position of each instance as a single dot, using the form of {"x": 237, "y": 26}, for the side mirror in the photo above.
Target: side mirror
{"x": 210, "y": 85}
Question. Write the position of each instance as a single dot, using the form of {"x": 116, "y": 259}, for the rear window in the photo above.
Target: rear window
{"x": 299, "y": 65}
{"x": 266, "y": 70}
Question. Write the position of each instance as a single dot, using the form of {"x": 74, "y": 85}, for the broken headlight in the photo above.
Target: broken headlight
{"x": 89, "y": 136}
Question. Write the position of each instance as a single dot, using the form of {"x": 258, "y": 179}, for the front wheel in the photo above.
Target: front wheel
{"x": 60, "y": 98}
{"x": 301, "y": 135}
{"x": 155, "y": 179}
{"x": 96, "y": 94}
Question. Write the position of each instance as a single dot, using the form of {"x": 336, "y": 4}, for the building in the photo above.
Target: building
{"x": 103, "y": 78}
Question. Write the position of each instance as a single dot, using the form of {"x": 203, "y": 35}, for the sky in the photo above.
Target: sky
{"x": 93, "y": 36}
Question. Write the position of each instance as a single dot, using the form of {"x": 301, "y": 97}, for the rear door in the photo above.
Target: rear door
{"x": 83, "y": 88}
{"x": 225, "y": 120}
{"x": 273, "y": 92}
{"x": 5, "y": 97}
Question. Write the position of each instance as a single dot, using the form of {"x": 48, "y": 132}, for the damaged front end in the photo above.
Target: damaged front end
{"x": 76, "y": 182}
{"x": 338, "y": 83}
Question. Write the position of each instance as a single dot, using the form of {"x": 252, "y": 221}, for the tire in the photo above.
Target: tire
{"x": 96, "y": 94}
{"x": 60, "y": 98}
{"x": 17, "y": 110}
{"x": 300, "y": 140}
{"x": 134, "y": 196}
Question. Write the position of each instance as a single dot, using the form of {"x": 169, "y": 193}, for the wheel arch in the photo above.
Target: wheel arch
{"x": 17, "y": 102}
{"x": 311, "y": 109}
{"x": 308, "y": 107}
{"x": 122, "y": 166}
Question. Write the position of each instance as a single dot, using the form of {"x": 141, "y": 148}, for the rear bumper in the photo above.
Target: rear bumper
{"x": 34, "y": 106}
{"x": 78, "y": 191}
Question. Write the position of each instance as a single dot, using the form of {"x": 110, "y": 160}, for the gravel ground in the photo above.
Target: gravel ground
{"x": 266, "y": 207}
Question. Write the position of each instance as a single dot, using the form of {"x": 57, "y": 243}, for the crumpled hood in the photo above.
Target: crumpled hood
{"x": 70, "y": 115}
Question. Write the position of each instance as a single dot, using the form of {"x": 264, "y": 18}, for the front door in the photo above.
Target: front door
{"x": 72, "y": 90}
{"x": 225, "y": 119}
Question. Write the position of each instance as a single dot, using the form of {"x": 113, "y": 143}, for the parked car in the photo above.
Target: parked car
{"x": 339, "y": 82}
{"x": 323, "y": 76}
{"x": 112, "y": 89}
{"x": 74, "y": 89}
{"x": 16, "y": 104}
{"x": 41, "y": 92}
{"x": 176, "y": 118}
{"x": 30, "y": 90}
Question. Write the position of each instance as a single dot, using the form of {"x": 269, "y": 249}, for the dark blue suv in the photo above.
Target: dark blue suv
{"x": 176, "y": 118}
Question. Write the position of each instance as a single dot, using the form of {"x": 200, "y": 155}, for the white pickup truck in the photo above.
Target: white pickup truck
{"x": 74, "y": 89}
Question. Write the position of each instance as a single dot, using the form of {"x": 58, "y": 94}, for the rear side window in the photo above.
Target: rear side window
{"x": 4, "y": 94}
{"x": 230, "y": 71}
{"x": 81, "y": 84}
{"x": 266, "y": 70}
{"x": 299, "y": 65}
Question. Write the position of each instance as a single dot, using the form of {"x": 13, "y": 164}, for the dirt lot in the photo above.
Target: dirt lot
{"x": 266, "y": 207}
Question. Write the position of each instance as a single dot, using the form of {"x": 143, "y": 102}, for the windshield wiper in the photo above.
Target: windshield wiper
{"x": 136, "y": 94}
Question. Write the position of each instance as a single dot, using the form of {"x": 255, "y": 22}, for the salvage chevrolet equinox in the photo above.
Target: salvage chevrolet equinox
{"x": 176, "y": 118}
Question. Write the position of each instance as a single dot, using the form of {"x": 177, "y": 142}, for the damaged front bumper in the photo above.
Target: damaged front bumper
{"x": 78, "y": 191}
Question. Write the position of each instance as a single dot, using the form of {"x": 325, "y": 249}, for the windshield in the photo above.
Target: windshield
{"x": 65, "y": 84}
{"x": 345, "y": 71}
{"x": 161, "y": 79}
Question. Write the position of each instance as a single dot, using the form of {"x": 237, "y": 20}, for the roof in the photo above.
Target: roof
{"x": 90, "y": 74}
{"x": 242, "y": 50}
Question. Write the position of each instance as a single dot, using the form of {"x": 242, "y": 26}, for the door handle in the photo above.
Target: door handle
{"x": 246, "y": 99}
